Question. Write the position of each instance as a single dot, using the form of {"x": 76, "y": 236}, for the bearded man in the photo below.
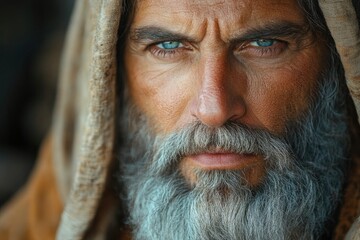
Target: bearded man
{"x": 233, "y": 119}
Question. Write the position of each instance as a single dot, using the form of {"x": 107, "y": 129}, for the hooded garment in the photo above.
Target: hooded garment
{"x": 68, "y": 196}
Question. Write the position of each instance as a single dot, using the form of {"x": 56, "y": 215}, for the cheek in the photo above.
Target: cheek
{"x": 279, "y": 95}
{"x": 162, "y": 94}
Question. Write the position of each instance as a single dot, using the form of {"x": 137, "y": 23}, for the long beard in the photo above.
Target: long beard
{"x": 301, "y": 188}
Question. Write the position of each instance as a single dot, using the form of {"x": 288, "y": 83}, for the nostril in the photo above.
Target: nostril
{"x": 217, "y": 109}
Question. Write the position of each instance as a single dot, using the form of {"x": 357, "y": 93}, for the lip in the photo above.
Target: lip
{"x": 224, "y": 160}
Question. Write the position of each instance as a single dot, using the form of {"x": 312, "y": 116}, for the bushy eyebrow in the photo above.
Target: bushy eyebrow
{"x": 281, "y": 29}
{"x": 269, "y": 30}
{"x": 156, "y": 34}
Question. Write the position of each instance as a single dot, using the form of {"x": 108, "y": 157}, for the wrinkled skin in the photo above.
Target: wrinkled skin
{"x": 214, "y": 62}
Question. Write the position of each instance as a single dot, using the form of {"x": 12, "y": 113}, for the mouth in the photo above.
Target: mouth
{"x": 224, "y": 160}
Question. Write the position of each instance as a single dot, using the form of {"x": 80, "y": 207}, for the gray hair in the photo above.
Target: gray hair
{"x": 301, "y": 189}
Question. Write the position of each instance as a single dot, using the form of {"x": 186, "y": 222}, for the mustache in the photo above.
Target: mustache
{"x": 197, "y": 138}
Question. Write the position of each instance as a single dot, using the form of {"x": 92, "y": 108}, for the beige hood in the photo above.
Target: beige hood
{"x": 84, "y": 120}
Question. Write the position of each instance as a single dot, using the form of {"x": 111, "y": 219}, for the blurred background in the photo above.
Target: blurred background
{"x": 31, "y": 39}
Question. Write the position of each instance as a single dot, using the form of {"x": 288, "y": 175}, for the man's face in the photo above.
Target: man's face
{"x": 246, "y": 61}
{"x": 232, "y": 128}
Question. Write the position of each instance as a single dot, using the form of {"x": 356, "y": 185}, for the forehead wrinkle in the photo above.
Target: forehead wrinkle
{"x": 188, "y": 21}
{"x": 182, "y": 21}
{"x": 219, "y": 11}
{"x": 196, "y": 18}
{"x": 198, "y": 9}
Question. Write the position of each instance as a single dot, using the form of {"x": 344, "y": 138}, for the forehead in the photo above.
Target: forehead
{"x": 229, "y": 15}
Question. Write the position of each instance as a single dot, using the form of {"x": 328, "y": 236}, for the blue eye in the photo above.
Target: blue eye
{"x": 168, "y": 45}
{"x": 263, "y": 43}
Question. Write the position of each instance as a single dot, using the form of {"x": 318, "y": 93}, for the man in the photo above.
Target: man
{"x": 232, "y": 124}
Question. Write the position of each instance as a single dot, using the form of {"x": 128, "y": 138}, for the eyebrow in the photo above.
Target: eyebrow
{"x": 281, "y": 29}
{"x": 158, "y": 34}
{"x": 269, "y": 30}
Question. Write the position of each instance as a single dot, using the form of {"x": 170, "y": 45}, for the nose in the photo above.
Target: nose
{"x": 218, "y": 98}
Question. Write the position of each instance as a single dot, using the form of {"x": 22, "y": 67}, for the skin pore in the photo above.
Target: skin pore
{"x": 247, "y": 61}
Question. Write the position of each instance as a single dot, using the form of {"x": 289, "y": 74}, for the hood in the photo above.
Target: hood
{"x": 85, "y": 113}
{"x": 85, "y": 109}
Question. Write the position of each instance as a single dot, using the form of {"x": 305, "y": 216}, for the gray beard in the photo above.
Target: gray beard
{"x": 301, "y": 189}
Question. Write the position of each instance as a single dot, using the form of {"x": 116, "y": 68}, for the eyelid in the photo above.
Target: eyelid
{"x": 183, "y": 45}
{"x": 162, "y": 42}
{"x": 246, "y": 42}
{"x": 171, "y": 53}
{"x": 246, "y": 49}
{"x": 274, "y": 41}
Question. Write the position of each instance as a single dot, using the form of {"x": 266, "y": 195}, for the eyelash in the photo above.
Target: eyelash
{"x": 278, "y": 47}
{"x": 166, "y": 53}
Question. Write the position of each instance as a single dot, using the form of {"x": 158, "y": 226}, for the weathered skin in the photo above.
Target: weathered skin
{"x": 212, "y": 78}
